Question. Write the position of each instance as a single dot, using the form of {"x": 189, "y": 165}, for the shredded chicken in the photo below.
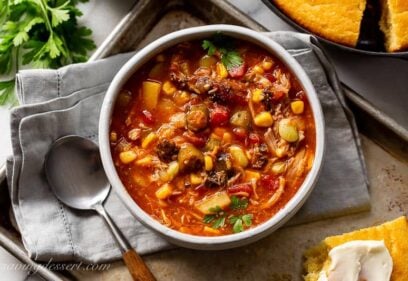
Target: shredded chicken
{"x": 297, "y": 166}
{"x": 278, "y": 147}
{"x": 277, "y": 195}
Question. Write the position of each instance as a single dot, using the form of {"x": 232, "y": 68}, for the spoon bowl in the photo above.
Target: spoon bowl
{"x": 75, "y": 173}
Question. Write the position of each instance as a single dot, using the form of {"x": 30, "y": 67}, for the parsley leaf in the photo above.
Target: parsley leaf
{"x": 44, "y": 33}
{"x": 225, "y": 47}
{"x": 208, "y": 218}
{"x": 238, "y": 227}
{"x": 7, "y": 92}
{"x": 237, "y": 203}
{"x": 220, "y": 222}
{"x": 247, "y": 219}
{"x": 208, "y": 45}
{"x": 238, "y": 222}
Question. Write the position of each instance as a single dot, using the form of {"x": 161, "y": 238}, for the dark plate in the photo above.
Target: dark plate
{"x": 370, "y": 41}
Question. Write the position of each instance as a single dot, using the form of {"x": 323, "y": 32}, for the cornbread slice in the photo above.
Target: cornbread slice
{"x": 393, "y": 233}
{"x": 394, "y": 24}
{"x": 336, "y": 20}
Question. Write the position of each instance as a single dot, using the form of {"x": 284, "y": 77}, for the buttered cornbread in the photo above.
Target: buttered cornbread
{"x": 394, "y": 235}
{"x": 394, "y": 24}
{"x": 336, "y": 20}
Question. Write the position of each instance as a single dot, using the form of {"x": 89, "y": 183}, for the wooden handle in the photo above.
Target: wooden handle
{"x": 137, "y": 267}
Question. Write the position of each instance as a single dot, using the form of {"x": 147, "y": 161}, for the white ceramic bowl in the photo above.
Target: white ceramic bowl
{"x": 226, "y": 241}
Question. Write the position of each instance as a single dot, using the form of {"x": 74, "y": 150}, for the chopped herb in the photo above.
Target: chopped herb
{"x": 209, "y": 46}
{"x": 208, "y": 218}
{"x": 220, "y": 222}
{"x": 247, "y": 219}
{"x": 224, "y": 45}
{"x": 217, "y": 218}
{"x": 237, "y": 203}
{"x": 215, "y": 209}
{"x": 238, "y": 227}
{"x": 238, "y": 222}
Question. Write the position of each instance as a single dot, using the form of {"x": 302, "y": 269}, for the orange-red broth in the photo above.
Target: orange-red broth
{"x": 178, "y": 210}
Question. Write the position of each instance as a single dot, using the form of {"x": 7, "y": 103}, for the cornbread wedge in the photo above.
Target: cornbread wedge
{"x": 393, "y": 233}
{"x": 394, "y": 24}
{"x": 336, "y": 20}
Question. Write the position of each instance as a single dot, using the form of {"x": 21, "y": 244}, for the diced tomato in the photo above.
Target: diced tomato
{"x": 197, "y": 140}
{"x": 219, "y": 115}
{"x": 270, "y": 77}
{"x": 242, "y": 189}
{"x": 147, "y": 117}
{"x": 240, "y": 133}
{"x": 238, "y": 71}
{"x": 254, "y": 138}
{"x": 269, "y": 182}
{"x": 239, "y": 99}
{"x": 278, "y": 95}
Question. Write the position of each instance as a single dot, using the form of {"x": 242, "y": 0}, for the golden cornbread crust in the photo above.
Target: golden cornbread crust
{"x": 394, "y": 24}
{"x": 394, "y": 234}
{"x": 336, "y": 20}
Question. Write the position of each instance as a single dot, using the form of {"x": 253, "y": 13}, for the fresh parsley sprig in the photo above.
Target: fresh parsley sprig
{"x": 44, "y": 33}
{"x": 237, "y": 203}
{"x": 226, "y": 49}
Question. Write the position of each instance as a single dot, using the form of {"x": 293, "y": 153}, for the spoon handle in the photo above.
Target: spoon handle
{"x": 134, "y": 263}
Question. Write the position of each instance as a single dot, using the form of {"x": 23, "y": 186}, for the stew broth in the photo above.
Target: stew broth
{"x": 212, "y": 142}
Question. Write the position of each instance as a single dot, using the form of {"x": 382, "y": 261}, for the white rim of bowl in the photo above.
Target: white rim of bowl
{"x": 194, "y": 33}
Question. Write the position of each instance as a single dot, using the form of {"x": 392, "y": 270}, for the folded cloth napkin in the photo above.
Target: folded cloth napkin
{"x": 67, "y": 101}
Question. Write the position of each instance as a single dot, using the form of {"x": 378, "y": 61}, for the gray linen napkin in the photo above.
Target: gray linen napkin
{"x": 67, "y": 101}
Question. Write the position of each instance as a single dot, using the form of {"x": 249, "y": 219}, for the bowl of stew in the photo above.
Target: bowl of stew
{"x": 212, "y": 136}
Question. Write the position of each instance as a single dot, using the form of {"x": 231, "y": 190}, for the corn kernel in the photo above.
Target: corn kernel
{"x": 278, "y": 168}
{"x": 266, "y": 65}
{"x": 211, "y": 230}
{"x": 257, "y": 95}
{"x": 249, "y": 175}
{"x": 258, "y": 69}
{"x": 113, "y": 136}
{"x": 149, "y": 139}
{"x": 164, "y": 191}
{"x": 127, "y": 156}
{"x": 238, "y": 156}
{"x": 195, "y": 179}
{"x": 297, "y": 106}
{"x": 227, "y": 137}
{"x": 208, "y": 163}
{"x": 263, "y": 119}
{"x": 160, "y": 58}
{"x": 168, "y": 88}
{"x": 145, "y": 161}
{"x": 173, "y": 170}
{"x": 221, "y": 70}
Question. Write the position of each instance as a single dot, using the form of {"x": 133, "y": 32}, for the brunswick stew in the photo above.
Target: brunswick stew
{"x": 212, "y": 137}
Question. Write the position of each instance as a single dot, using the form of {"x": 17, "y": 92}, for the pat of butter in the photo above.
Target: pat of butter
{"x": 359, "y": 260}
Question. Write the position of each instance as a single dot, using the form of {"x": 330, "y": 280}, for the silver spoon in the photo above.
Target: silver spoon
{"x": 74, "y": 171}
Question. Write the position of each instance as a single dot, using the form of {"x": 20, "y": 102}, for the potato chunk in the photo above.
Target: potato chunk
{"x": 151, "y": 91}
{"x": 219, "y": 199}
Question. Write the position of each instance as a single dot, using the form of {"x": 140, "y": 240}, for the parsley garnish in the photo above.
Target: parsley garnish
{"x": 44, "y": 33}
{"x": 217, "y": 218}
{"x": 224, "y": 45}
{"x": 238, "y": 222}
{"x": 237, "y": 203}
